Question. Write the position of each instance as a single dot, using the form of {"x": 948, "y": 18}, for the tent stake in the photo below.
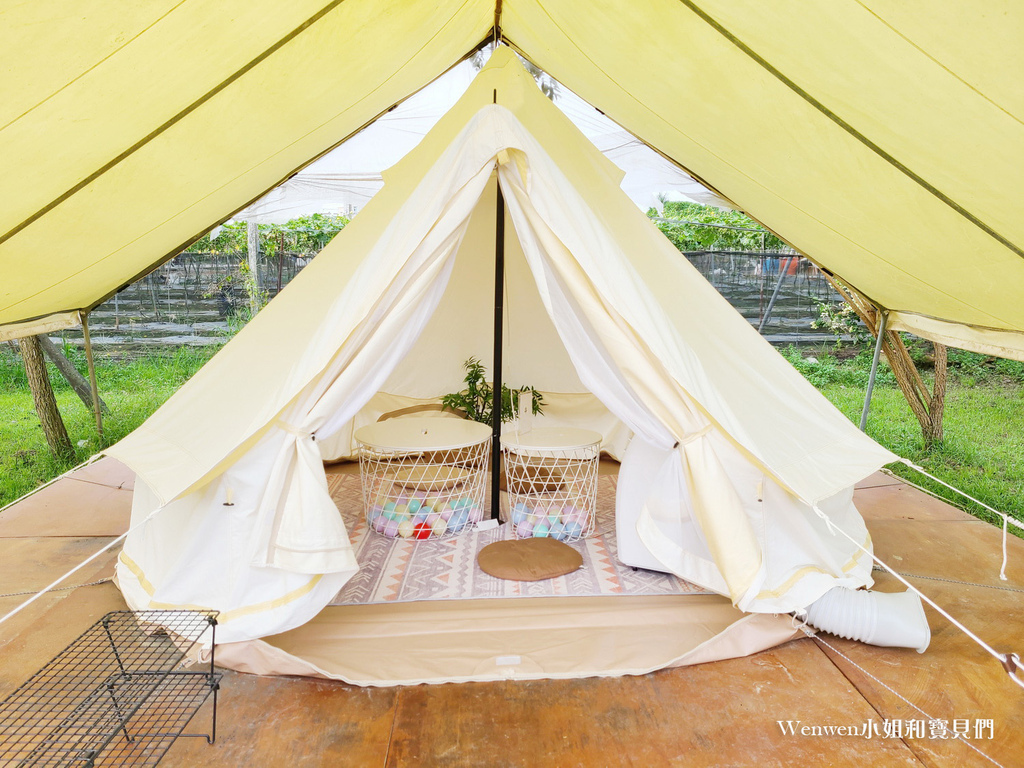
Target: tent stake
{"x": 783, "y": 268}
{"x": 92, "y": 375}
{"x": 874, "y": 370}
{"x": 499, "y": 308}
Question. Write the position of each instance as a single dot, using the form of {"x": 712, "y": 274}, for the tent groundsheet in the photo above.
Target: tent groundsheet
{"x": 528, "y": 639}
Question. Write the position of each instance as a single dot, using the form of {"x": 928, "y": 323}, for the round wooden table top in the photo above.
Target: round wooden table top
{"x": 551, "y": 439}
{"x": 423, "y": 434}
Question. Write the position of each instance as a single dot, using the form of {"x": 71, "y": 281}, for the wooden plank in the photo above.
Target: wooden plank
{"x": 954, "y": 679}
{"x": 878, "y": 479}
{"x": 107, "y": 471}
{"x": 271, "y": 721}
{"x": 31, "y": 638}
{"x": 904, "y": 502}
{"x": 714, "y": 714}
{"x": 70, "y": 508}
{"x": 967, "y": 551}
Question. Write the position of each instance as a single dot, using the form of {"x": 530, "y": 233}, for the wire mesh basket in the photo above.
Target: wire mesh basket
{"x": 423, "y": 478}
{"x": 552, "y": 482}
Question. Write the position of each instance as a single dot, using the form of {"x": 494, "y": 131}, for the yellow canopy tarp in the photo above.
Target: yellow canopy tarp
{"x": 883, "y": 139}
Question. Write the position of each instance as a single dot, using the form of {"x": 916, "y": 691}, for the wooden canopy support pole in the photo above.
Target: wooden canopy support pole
{"x": 252, "y": 282}
{"x": 927, "y": 406}
{"x": 67, "y": 369}
{"x": 54, "y": 431}
{"x": 96, "y": 402}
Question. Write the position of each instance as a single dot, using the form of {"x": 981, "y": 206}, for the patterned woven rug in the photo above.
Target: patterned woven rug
{"x": 404, "y": 570}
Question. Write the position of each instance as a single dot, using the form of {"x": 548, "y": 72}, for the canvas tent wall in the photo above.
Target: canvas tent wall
{"x": 883, "y": 139}
{"x": 729, "y": 446}
{"x": 347, "y": 177}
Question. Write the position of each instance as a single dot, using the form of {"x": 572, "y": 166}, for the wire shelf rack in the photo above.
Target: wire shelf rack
{"x": 118, "y": 695}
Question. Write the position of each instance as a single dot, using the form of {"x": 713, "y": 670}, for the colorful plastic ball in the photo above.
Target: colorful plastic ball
{"x": 458, "y": 520}
{"x": 524, "y": 530}
{"x": 433, "y": 502}
{"x": 422, "y": 530}
{"x": 406, "y": 528}
{"x": 476, "y": 514}
{"x": 572, "y": 514}
{"x": 446, "y": 513}
{"x": 402, "y": 510}
{"x": 463, "y": 503}
{"x": 439, "y": 527}
{"x": 389, "y": 506}
{"x": 432, "y": 517}
{"x": 519, "y": 513}
{"x": 557, "y": 531}
{"x": 541, "y": 530}
{"x": 380, "y": 523}
{"x": 391, "y": 528}
{"x": 414, "y": 505}
{"x": 572, "y": 530}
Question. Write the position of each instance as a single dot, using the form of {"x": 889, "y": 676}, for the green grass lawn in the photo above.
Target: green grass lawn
{"x": 983, "y": 450}
{"x": 132, "y": 389}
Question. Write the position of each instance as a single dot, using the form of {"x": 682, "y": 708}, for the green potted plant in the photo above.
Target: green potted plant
{"x": 476, "y": 400}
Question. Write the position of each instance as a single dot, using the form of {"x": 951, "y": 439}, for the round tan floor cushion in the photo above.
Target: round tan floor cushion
{"x": 532, "y": 559}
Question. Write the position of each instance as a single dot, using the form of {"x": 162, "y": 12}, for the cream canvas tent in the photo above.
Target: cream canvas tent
{"x": 347, "y": 177}
{"x": 724, "y": 446}
{"x": 882, "y": 139}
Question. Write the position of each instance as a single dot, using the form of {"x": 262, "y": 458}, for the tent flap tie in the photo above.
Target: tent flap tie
{"x": 293, "y": 430}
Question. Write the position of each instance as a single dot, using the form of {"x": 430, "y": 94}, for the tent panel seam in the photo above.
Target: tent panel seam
{"x": 799, "y": 91}
{"x": 174, "y": 120}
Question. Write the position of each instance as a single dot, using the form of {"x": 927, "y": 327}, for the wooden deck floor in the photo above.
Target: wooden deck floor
{"x": 725, "y": 713}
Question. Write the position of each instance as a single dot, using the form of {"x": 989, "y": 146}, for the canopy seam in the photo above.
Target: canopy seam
{"x": 267, "y": 53}
{"x": 799, "y": 91}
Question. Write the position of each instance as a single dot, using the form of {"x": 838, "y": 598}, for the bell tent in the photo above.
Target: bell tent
{"x": 734, "y": 469}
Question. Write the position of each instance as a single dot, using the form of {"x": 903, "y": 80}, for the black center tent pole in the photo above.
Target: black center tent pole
{"x": 499, "y": 292}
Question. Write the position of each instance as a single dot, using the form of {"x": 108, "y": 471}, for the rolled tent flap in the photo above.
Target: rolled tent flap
{"x": 302, "y": 530}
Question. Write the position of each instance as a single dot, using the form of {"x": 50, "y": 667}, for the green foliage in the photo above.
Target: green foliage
{"x": 841, "y": 319}
{"x": 985, "y": 366}
{"x": 305, "y": 236}
{"x": 689, "y": 235}
{"x": 132, "y": 388}
{"x": 982, "y": 452}
{"x": 824, "y": 370}
{"x": 258, "y": 298}
{"x": 476, "y": 399}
